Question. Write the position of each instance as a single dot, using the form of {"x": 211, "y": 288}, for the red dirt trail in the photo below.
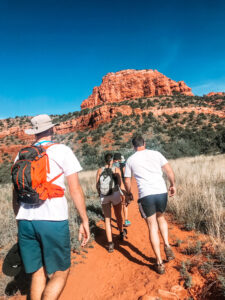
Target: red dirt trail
{"x": 128, "y": 272}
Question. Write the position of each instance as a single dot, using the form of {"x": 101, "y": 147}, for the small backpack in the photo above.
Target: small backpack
{"x": 107, "y": 182}
{"x": 29, "y": 176}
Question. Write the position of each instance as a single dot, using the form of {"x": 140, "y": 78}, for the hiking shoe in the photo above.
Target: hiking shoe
{"x": 127, "y": 223}
{"x": 123, "y": 234}
{"x": 111, "y": 247}
{"x": 160, "y": 269}
{"x": 169, "y": 253}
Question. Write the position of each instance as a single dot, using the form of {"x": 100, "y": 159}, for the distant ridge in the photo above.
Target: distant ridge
{"x": 215, "y": 94}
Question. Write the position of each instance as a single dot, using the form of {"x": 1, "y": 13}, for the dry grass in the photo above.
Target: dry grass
{"x": 8, "y": 229}
{"x": 199, "y": 202}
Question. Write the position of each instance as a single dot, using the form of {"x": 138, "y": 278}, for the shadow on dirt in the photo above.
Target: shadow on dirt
{"x": 100, "y": 238}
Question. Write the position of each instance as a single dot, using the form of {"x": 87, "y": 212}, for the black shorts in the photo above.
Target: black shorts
{"x": 151, "y": 204}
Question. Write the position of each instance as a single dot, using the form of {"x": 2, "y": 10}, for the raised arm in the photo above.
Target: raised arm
{"x": 77, "y": 196}
{"x": 170, "y": 175}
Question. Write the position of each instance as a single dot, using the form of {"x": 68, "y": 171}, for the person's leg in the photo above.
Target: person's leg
{"x": 107, "y": 214}
{"x": 118, "y": 214}
{"x": 38, "y": 284}
{"x": 55, "y": 285}
{"x": 163, "y": 227}
{"x": 126, "y": 212}
{"x": 154, "y": 236}
{"x": 30, "y": 250}
{"x": 55, "y": 241}
{"x": 124, "y": 207}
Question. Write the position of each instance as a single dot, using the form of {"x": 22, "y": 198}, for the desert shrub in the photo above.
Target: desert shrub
{"x": 84, "y": 111}
{"x": 176, "y": 116}
{"x": 191, "y": 115}
{"x": 150, "y": 103}
{"x": 134, "y": 104}
{"x": 80, "y": 135}
{"x": 5, "y": 172}
{"x": 89, "y": 157}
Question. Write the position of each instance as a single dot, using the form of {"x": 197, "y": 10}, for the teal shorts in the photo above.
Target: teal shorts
{"x": 44, "y": 243}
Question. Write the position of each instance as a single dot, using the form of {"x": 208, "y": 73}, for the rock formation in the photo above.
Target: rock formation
{"x": 133, "y": 84}
{"x": 215, "y": 94}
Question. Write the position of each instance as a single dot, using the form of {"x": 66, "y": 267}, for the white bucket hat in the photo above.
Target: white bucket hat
{"x": 40, "y": 123}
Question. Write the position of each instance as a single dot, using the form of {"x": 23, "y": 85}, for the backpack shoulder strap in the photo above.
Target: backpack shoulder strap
{"x": 48, "y": 146}
{"x": 56, "y": 177}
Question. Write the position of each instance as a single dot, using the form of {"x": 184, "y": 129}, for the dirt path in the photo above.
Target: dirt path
{"x": 127, "y": 273}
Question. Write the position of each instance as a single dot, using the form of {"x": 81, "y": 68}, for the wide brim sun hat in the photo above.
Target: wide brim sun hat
{"x": 12, "y": 263}
{"x": 40, "y": 124}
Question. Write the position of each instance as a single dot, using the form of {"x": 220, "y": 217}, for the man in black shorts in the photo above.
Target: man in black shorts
{"x": 147, "y": 166}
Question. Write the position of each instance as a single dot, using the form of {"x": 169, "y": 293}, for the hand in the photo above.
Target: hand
{"x": 129, "y": 198}
{"x": 172, "y": 191}
{"x": 84, "y": 233}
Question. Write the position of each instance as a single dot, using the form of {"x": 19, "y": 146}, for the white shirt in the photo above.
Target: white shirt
{"x": 146, "y": 167}
{"x": 61, "y": 159}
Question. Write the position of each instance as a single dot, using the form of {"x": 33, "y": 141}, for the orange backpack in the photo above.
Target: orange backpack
{"x": 29, "y": 176}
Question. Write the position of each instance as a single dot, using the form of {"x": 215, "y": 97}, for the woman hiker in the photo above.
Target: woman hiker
{"x": 108, "y": 180}
{"x": 117, "y": 162}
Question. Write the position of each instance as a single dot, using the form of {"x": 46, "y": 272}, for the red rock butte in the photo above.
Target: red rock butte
{"x": 215, "y": 94}
{"x": 133, "y": 84}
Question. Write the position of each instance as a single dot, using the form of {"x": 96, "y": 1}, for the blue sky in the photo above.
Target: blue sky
{"x": 52, "y": 53}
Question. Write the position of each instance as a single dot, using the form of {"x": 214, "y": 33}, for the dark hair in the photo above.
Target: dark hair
{"x": 108, "y": 158}
{"x": 138, "y": 141}
{"x": 117, "y": 156}
{"x": 44, "y": 133}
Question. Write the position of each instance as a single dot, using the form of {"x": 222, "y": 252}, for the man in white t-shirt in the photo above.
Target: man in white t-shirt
{"x": 147, "y": 166}
{"x": 43, "y": 230}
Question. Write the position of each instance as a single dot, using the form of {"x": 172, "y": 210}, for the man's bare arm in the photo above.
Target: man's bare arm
{"x": 77, "y": 196}
{"x": 170, "y": 175}
{"x": 128, "y": 184}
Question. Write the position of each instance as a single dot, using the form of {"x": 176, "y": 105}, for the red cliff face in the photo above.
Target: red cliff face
{"x": 133, "y": 84}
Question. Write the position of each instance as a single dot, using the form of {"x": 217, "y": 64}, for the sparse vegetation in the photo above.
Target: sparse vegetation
{"x": 185, "y": 275}
{"x": 200, "y": 194}
{"x": 199, "y": 205}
